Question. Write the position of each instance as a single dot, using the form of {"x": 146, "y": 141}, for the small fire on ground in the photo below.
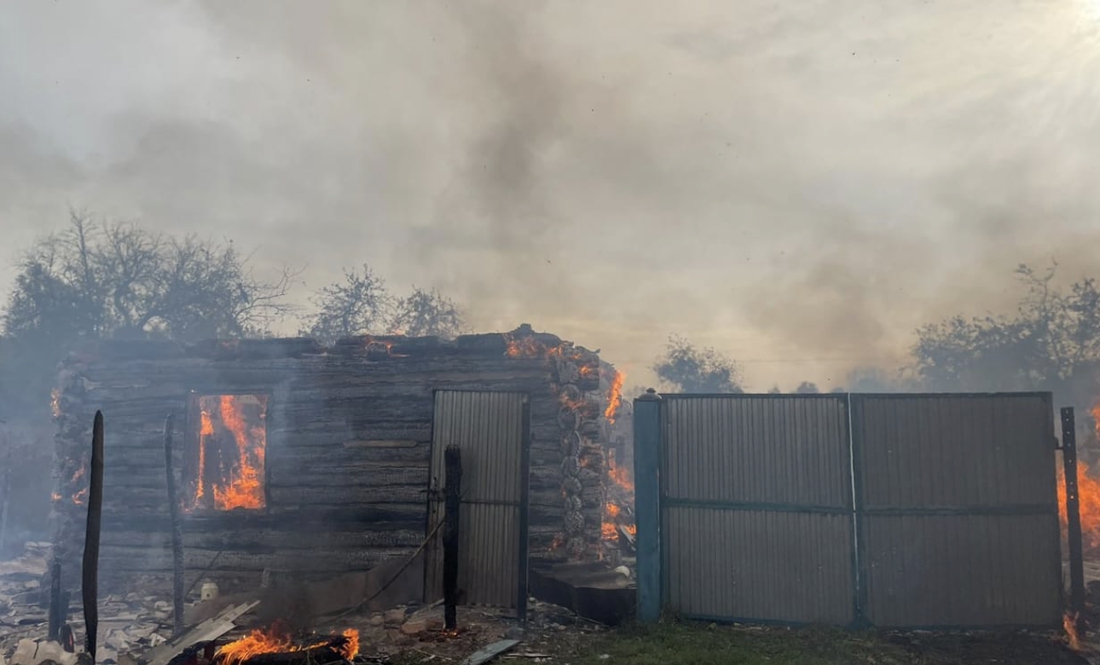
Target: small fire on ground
{"x": 278, "y": 639}
{"x": 231, "y": 453}
{"x": 1069, "y": 624}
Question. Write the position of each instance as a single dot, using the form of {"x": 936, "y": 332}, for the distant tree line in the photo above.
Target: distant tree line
{"x": 1051, "y": 342}
{"x": 121, "y": 280}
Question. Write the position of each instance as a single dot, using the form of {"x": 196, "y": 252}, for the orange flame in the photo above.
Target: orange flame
{"x": 242, "y": 485}
{"x": 615, "y": 398}
{"x": 55, "y": 403}
{"x": 525, "y": 347}
{"x": 579, "y": 404}
{"x": 81, "y": 494}
{"x": 373, "y": 344}
{"x": 613, "y": 516}
{"x": 1088, "y": 496}
{"x": 1069, "y": 624}
{"x": 278, "y": 640}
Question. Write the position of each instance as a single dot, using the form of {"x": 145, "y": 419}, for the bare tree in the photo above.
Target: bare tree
{"x": 122, "y": 280}
{"x": 427, "y": 313}
{"x": 357, "y": 305}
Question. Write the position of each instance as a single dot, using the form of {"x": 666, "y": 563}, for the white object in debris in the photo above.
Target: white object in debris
{"x": 209, "y": 591}
{"x": 623, "y": 570}
{"x": 29, "y": 652}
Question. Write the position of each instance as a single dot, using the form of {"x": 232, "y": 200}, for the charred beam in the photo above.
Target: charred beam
{"x": 56, "y": 614}
{"x": 177, "y": 531}
{"x": 453, "y": 466}
{"x": 1073, "y": 512}
{"x": 90, "y": 582}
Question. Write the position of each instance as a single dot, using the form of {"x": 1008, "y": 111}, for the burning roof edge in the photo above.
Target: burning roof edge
{"x": 380, "y": 347}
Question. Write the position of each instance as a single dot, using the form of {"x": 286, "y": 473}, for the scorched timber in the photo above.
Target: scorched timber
{"x": 348, "y": 446}
{"x": 334, "y": 651}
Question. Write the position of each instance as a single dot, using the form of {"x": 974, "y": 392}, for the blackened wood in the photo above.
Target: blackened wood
{"x": 177, "y": 530}
{"x": 56, "y": 618}
{"x": 524, "y": 513}
{"x": 330, "y": 652}
{"x": 66, "y": 637}
{"x": 90, "y": 570}
{"x": 1073, "y": 512}
{"x": 452, "y": 458}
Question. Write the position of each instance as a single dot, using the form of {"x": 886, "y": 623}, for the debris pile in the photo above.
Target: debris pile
{"x": 131, "y": 624}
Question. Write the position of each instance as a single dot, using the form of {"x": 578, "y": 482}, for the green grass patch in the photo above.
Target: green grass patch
{"x": 693, "y": 644}
{"x": 701, "y": 644}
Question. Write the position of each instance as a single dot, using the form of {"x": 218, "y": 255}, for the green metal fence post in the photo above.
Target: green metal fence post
{"x": 647, "y": 504}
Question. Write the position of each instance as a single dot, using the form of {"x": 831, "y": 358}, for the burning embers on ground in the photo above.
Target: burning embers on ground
{"x": 229, "y": 470}
{"x": 277, "y": 645}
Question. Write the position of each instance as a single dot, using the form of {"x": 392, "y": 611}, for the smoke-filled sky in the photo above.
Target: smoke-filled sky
{"x": 797, "y": 184}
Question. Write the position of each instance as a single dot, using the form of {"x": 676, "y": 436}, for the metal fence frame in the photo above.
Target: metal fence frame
{"x": 652, "y": 502}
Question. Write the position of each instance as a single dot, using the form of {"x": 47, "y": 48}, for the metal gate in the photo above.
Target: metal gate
{"x": 492, "y": 429}
{"x": 891, "y": 510}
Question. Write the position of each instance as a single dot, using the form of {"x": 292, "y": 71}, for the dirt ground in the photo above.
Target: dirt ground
{"x": 554, "y": 635}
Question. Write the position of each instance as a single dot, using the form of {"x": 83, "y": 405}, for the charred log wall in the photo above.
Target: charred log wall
{"x": 347, "y": 454}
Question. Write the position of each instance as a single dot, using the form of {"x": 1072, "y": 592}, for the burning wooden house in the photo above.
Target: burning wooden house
{"x": 291, "y": 456}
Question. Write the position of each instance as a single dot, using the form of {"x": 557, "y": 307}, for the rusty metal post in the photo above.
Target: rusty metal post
{"x": 453, "y": 478}
{"x": 1073, "y": 513}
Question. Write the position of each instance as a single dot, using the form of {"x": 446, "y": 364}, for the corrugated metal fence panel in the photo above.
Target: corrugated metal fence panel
{"x": 777, "y": 450}
{"x": 489, "y": 429}
{"x": 756, "y": 508}
{"x": 959, "y": 510}
{"x": 758, "y": 565}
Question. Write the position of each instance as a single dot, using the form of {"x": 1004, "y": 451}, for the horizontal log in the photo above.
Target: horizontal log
{"x": 271, "y": 540}
{"x": 348, "y": 475}
{"x": 378, "y": 517}
{"x": 140, "y": 559}
{"x": 334, "y": 493}
{"x": 343, "y": 511}
{"x": 149, "y": 373}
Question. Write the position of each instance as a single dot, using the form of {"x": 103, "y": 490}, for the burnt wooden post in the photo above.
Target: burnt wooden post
{"x": 1073, "y": 513}
{"x": 452, "y": 457}
{"x": 647, "y": 504}
{"x": 177, "y": 531}
{"x": 90, "y": 577}
{"x": 56, "y": 616}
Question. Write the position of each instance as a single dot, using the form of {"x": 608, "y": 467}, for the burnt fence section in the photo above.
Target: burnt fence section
{"x": 914, "y": 511}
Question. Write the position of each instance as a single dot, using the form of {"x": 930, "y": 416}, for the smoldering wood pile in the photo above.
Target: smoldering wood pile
{"x": 348, "y": 447}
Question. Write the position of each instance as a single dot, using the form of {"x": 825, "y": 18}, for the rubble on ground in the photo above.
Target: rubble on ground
{"x": 132, "y": 626}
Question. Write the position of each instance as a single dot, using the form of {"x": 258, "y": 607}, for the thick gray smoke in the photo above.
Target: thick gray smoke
{"x": 797, "y": 185}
